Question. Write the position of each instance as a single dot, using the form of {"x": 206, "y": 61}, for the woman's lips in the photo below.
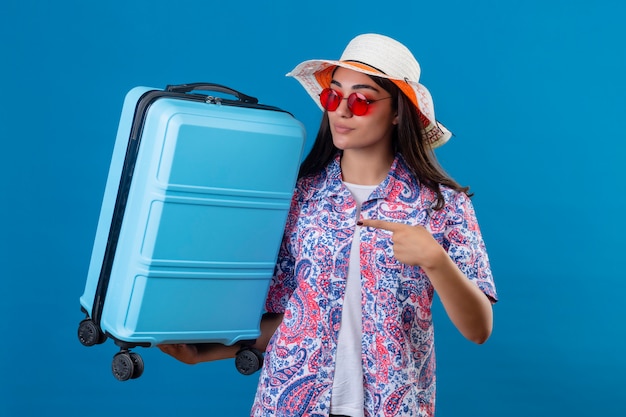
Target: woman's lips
{"x": 342, "y": 129}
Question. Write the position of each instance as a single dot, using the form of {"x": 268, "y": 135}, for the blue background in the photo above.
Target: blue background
{"x": 534, "y": 91}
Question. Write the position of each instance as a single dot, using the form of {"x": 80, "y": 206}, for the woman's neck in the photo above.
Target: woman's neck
{"x": 365, "y": 168}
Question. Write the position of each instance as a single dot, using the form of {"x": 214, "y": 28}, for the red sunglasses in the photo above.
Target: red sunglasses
{"x": 358, "y": 104}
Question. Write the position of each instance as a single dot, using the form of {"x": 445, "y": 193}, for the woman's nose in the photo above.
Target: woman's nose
{"x": 343, "y": 110}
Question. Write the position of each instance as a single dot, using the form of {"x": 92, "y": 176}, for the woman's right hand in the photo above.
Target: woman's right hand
{"x": 203, "y": 352}
{"x": 185, "y": 353}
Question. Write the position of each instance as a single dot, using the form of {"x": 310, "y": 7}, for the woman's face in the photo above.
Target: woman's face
{"x": 371, "y": 131}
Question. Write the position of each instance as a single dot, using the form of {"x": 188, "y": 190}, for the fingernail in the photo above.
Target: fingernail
{"x": 359, "y": 223}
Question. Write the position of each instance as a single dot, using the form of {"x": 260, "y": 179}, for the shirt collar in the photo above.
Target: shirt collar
{"x": 395, "y": 178}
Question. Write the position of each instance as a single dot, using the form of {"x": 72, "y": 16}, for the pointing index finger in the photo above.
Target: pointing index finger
{"x": 380, "y": 224}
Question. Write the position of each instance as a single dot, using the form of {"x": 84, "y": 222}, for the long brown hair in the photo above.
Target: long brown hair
{"x": 407, "y": 140}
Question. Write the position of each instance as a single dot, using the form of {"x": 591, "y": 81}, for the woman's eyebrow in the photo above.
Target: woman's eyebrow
{"x": 356, "y": 86}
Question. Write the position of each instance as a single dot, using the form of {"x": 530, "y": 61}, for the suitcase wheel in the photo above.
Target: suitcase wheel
{"x": 248, "y": 360}
{"x": 138, "y": 365}
{"x": 90, "y": 334}
{"x": 127, "y": 365}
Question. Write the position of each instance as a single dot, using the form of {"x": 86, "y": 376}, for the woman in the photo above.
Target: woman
{"x": 375, "y": 228}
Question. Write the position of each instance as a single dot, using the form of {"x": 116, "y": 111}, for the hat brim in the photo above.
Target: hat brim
{"x": 315, "y": 75}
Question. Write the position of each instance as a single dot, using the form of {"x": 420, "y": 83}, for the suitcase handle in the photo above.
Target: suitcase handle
{"x": 186, "y": 88}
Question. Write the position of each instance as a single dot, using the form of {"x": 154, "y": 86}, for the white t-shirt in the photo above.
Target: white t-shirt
{"x": 347, "y": 394}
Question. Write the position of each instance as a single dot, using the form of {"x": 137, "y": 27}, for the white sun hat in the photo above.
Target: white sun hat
{"x": 383, "y": 57}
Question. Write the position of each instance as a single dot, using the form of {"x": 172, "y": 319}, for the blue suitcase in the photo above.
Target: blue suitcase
{"x": 199, "y": 186}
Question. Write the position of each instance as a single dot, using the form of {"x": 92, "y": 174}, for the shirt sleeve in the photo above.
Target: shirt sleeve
{"x": 465, "y": 245}
{"x": 283, "y": 283}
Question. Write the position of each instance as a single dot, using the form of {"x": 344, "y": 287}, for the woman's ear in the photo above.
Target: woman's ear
{"x": 395, "y": 120}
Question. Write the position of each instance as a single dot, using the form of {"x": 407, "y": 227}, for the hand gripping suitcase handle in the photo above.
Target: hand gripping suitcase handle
{"x": 186, "y": 88}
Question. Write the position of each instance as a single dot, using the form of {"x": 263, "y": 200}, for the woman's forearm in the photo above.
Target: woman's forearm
{"x": 467, "y": 306}
{"x": 269, "y": 324}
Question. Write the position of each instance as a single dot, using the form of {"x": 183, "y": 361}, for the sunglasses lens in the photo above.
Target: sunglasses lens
{"x": 330, "y": 99}
{"x": 357, "y": 103}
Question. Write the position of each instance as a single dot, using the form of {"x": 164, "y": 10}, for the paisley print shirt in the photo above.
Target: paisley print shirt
{"x": 308, "y": 287}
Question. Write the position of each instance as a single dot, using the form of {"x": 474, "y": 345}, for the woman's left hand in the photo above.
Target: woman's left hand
{"x": 468, "y": 308}
{"x": 412, "y": 245}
